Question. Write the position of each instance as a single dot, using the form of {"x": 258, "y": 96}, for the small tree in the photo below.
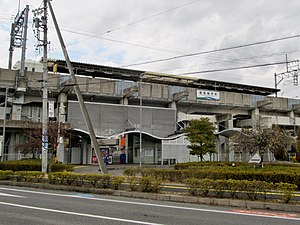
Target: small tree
{"x": 259, "y": 140}
{"x": 33, "y": 139}
{"x": 200, "y": 134}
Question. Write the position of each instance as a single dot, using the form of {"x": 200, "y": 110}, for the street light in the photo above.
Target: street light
{"x": 141, "y": 116}
{"x": 4, "y": 120}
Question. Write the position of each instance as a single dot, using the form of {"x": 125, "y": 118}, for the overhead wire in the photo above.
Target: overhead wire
{"x": 118, "y": 41}
{"x": 136, "y": 21}
{"x": 233, "y": 68}
{"x": 213, "y": 51}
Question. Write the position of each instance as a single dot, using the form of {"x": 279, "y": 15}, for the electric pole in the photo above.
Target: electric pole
{"x": 40, "y": 24}
{"x": 45, "y": 94}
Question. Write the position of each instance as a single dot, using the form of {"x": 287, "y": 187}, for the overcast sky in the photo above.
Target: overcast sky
{"x": 123, "y": 33}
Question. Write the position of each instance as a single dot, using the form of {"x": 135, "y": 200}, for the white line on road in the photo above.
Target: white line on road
{"x": 9, "y": 195}
{"x": 153, "y": 205}
{"x": 77, "y": 214}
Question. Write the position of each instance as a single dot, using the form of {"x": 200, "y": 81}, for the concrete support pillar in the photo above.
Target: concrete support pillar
{"x": 231, "y": 154}
{"x": 16, "y": 112}
{"x": 255, "y": 117}
{"x": 124, "y": 101}
{"x": 84, "y": 152}
{"x": 17, "y": 102}
{"x": 230, "y": 123}
{"x": 173, "y": 105}
{"x": 293, "y": 121}
{"x": 62, "y": 117}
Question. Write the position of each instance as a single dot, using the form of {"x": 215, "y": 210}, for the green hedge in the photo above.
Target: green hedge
{"x": 27, "y": 176}
{"x": 217, "y": 174}
{"x": 32, "y": 165}
{"x": 90, "y": 180}
{"x": 268, "y": 166}
{"x": 202, "y": 187}
{"x": 239, "y": 188}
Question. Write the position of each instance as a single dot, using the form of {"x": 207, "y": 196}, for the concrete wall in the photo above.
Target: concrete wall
{"x": 7, "y": 78}
{"x": 109, "y": 119}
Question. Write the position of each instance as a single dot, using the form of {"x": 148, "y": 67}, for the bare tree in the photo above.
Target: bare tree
{"x": 32, "y": 142}
{"x": 259, "y": 140}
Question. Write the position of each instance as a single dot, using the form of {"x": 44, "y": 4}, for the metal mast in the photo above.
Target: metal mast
{"x": 292, "y": 71}
{"x": 84, "y": 111}
{"x": 18, "y": 37}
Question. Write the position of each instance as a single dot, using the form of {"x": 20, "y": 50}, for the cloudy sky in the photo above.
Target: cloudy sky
{"x": 134, "y": 33}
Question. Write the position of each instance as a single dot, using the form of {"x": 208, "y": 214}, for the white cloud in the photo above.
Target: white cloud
{"x": 200, "y": 26}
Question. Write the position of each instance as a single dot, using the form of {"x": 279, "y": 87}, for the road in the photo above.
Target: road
{"x": 24, "y": 206}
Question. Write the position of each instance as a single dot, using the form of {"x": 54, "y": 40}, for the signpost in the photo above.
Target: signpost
{"x": 255, "y": 159}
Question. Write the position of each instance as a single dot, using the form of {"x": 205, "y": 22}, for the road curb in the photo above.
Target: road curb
{"x": 164, "y": 197}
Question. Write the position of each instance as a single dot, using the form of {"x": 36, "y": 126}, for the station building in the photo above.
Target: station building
{"x": 128, "y": 106}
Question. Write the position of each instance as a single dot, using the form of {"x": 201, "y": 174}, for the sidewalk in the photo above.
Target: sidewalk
{"x": 116, "y": 169}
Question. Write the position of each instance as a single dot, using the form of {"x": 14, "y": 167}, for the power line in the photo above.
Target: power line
{"x": 117, "y": 41}
{"x": 229, "y": 60}
{"x": 136, "y": 21}
{"x": 213, "y": 51}
{"x": 233, "y": 68}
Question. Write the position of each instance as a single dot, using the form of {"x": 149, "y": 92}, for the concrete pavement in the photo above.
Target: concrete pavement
{"x": 116, "y": 169}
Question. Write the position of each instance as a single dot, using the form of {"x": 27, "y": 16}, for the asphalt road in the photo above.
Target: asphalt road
{"x": 33, "y": 206}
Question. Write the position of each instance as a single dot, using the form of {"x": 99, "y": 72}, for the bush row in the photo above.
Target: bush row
{"x": 91, "y": 180}
{"x": 32, "y": 165}
{"x": 198, "y": 187}
{"x": 239, "y": 188}
{"x": 29, "y": 176}
{"x": 268, "y": 166}
{"x": 144, "y": 184}
{"x": 198, "y": 165}
{"x": 216, "y": 174}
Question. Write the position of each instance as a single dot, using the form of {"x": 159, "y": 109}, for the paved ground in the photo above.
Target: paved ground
{"x": 31, "y": 206}
{"x": 116, "y": 169}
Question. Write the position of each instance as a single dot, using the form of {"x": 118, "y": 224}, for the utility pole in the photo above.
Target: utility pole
{"x": 45, "y": 92}
{"x": 84, "y": 111}
{"x": 40, "y": 25}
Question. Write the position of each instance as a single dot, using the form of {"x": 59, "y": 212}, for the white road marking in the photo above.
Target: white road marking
{"x": 9, "y": 195}
{"x": 77, "y": 214}
{"x": 151, "y": 204}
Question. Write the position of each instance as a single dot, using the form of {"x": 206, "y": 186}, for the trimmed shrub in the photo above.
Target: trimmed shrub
{"x": 285, "y": 190}
{"x": 150, "y": 184}
{"x": 6, "y": 174}
{"x": 58, "y": 177}
{"x": 251, "y": 189}
{"x": 93, "y": 179}
{"x": 199, "y": 187}
{"x": 131, "y": 171}
{"x": 29, "y": 176}
{"x": 116, "y": 182}
{"x": 133, "y": 183}
{"x": 33, "y": 165}
{"x": 219, "y": 174}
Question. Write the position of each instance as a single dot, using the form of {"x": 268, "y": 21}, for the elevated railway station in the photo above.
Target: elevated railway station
{"x": 115, "y": 99}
